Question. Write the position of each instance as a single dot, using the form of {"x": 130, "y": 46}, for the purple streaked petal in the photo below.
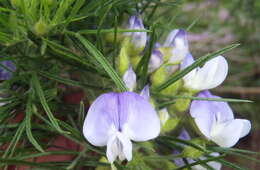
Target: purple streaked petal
{"x": 170, "y": 38}
{"x": 138, "y": 117}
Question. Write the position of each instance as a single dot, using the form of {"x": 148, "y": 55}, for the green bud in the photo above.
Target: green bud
{"x": 167, "y": 52}
{"x": 104, "y": 160}
{"x": 192, "y": 152}
{"x": 173, "y": 88}
{"x": 40, "y": 28}
{"x": 123, "y": 61}
{"x": 183, "y": 104}
{"x": 170, "y": 125}
{"x": 109, "y": 37}
{"x": 159, "y": 76}
{"x": 135, "y": 61}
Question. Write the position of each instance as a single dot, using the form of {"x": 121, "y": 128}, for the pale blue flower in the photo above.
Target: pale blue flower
{"x": 216, "y": 121}
{"x": 114, "y": 119}
{"x": 209, "y": 76}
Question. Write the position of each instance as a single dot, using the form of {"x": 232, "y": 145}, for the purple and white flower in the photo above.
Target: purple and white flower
{"x": 178, "y": 42}
{"x": 138, "y": 39}
{"x": 114, "y": 119}
{"x": 216, "y": 121}
{"x": 211, "y": 75}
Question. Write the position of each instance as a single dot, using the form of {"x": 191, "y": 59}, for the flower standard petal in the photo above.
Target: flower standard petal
{"x": 102, "y": 117}
{"x": 138, "y": 118}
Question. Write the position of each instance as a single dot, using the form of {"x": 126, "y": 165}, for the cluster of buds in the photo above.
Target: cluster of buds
{"x": 114, "y": 119}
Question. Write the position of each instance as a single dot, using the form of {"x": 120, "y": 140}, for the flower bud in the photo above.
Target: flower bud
{"x": 176, "y": 46}
{"x": 156, "y": 60}
{"x": 40, "y": 28}
{"x": 129, "y": 79}
{"x": 183, "y": 104}
{"x": 192, "y": 152}
{"x": 138, "y": 39}
{"x": 170, "y": 124}
{"x": 123, "y": 61}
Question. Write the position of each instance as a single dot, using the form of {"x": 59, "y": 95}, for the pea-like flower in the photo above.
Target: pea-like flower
{"x": 138, "y": 39}
{"x": 212, "y": 74}
{"x": 176, "y": 47}
{"x": 216, "y": 121}
{"x": 114, "y": 119}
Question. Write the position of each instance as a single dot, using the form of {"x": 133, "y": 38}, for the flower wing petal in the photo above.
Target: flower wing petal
{"x": 203, "y": 114}
{"x": 101, "y": 117}
{"x": 227, "y": 134}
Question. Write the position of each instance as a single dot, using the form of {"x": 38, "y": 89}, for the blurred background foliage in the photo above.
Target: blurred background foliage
{"x": 54, "y": 67}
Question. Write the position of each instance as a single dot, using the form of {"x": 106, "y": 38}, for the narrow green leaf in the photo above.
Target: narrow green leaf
{"x": 167, "y": 103}
{"x": 68, "y": 81}
{"x": 110, "y": 31}
{"x": 201, "y": 162}
{"x": 39, "y": 91}
{"x": 197, "y": 63}
{"x": 231, "y": 165}
{"x": 28, "y": 119}
{"x": 12, "y": 145}
{"x": 34, "y": 164}
{"x": 103, "y": 61}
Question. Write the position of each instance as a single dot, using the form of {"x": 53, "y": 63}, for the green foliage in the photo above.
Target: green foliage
{"x": 59, "y": 47}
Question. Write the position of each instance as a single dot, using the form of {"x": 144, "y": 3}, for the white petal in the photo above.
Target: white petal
{"x": 112, "y": 149}
{"x": 126, "y": 147}
{"x": 212, "y": 74}
{"x": 246, "y": 127}
{"x": 130, "y": 79}
{"x": 227, "y": 134}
